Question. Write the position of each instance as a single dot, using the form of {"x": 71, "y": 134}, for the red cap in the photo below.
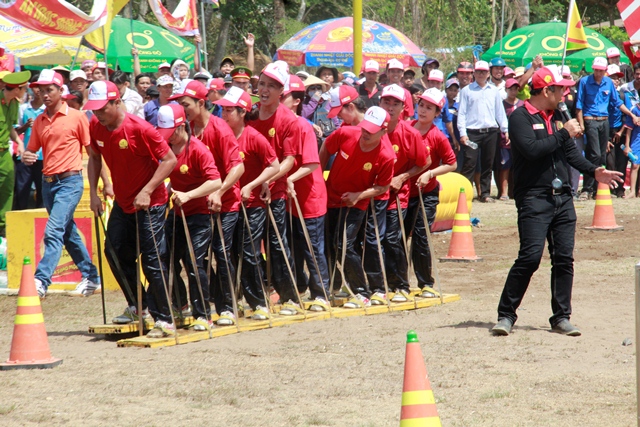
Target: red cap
{"x": 341, "y": 96}
{"x": 394, "y": 91}
{"x": 294, "y": 84}
{"x": 549, "y": 76}
{"x": 100, "y": 93}
{"x": 236, "y": 97}
{"x": 433, "y": 96}
{"x": 510, "y": 82}
{"x": 216, "y": 84}
{"x": 48, "y": 77}
{"x": 375, "y": 119}
{"x": 191, "y": 88}
{"x": 170, "y": 116}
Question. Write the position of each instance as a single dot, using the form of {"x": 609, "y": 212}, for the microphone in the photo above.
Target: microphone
{"x": 564, "y": 110}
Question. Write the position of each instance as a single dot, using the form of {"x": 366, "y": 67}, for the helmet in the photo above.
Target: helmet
{"x": 498, "y": 62}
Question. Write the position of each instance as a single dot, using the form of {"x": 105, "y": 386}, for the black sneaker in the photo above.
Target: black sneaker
{"x": 502, "y": 328}
{"x": 566, "y": 328}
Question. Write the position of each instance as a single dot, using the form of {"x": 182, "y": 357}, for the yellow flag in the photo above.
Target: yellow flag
{"x": 94, "y": 39}
{"x": 576, "y": 37}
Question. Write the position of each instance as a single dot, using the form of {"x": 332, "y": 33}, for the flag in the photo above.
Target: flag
{"x": 94, "y": 39}
{"x": 576, "y": 37}
{"x": 630, "y": 14}
{"x": 182, "y": 22}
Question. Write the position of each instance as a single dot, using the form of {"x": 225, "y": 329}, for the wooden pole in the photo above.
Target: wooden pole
{"x": 357, "y": 36}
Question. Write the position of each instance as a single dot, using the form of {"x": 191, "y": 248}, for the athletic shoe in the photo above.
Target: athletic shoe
{"x": 162, "y": 329}
{"x": 41, "y": 288}
{"x": 130, "y": 315}
{"x": 342, "y": 293}
{"x": 290, "y": 308}
{"x": 320, "y": 304}
{"x": 503, "y": 327}
{"x": 202, "y": 324}
{"x": 186, "y": 311}
{"x": 357, "y": 301}
{"x": 429, "y": 292}
{"x": 227, "y": 318}
{"x": 566, "y": 328}
{"x": 260, "y": 313}
{"x": 86, "y": 288}
{"x": 402, "y": 296}
{"x": 379, "y": 298}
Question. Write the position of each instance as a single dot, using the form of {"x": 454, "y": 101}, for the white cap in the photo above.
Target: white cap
{"x": 65, "y": 90}
{"x": 302, "y": 74}
{"x": 164, "y": 65}
{"x": 277, "y": 72}
{"x": 433, "y": 96}
{"x": 436, "y": 75}
{"x": 394, "y": 91}
{"x": 613, "y": 69}
{"x": 375, "y": 119}
{"x": 394, "y": 64}
{"x": 612, "y": 52}
{"x": 599, "y": 63}
{"x": 101, "y": 92}
{"x": 164, "y": 80}
{"x": 371, "y": 65}
{"x": 75, "y": 74}
{"x": 566, "y": 71}
{"x": 481, "y": 65}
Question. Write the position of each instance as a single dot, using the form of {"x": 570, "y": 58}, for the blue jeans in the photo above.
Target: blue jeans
{"x": 60, "y": 199}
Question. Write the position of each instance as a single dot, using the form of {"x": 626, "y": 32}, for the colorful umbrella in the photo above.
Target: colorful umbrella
{"x": 155, "y": 45}
{"x": 330, "y": 43}
{"x": 519, "y": 47}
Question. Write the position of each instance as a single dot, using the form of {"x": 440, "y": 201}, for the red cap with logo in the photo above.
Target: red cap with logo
{"x": 100, "y": 93}
{"x": 170, "y": 116}
{"x": 216, "y": 84}
{"x": 375, "y": 119}
{"x": 48, "y": 77}
{"x": 293, "y": 84}
{"x": 236, "y": 97}
{"x": 340, "y": 96}
{"x": 191, "y": 88}
{"x": 549, "y": 75}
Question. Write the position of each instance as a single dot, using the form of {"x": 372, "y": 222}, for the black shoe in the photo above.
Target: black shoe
{"x": 566, "y": 328}
{"x": 502, "y": 328}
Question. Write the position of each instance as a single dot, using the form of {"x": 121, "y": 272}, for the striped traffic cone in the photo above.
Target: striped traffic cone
{"x": 29, "y": 345}
{"x": 603, "y": 217}
{"x": 418, "y": 404}
{"x": 461, "y": 247}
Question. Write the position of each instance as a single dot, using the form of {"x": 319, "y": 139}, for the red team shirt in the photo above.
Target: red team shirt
{"x": 440, "y": 150}
{"x": 256, "y": 154}
{"x": 283, "y": 133}
{"x": 354, "y": 170}
{"x": 132, "y": 152}
{"x": 410, "y": 151}
{"x": 195, "y": 166}
{"x": 311, "y": 190}
{"x": 222, "y": 143}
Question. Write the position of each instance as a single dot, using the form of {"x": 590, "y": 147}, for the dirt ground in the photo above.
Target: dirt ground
{"x": 348, "y": 372}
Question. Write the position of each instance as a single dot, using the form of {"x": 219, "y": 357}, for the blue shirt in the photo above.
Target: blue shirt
{"x": 634, "y": 141}
{"x": 25, "y": 113}
{"x": 615, "y": 115}
{"x": 594, "y": 99}
{"x": 629, "y": 88}
{"x": 481, "y": 108}
{"x": 443, "y": 118}
{"x": 453, "y": 110}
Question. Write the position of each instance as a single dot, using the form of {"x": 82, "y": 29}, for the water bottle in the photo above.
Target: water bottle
{"x": 3, "y": 253}
{"x": 472, "y": 145}
{"x": 632, "y": 157}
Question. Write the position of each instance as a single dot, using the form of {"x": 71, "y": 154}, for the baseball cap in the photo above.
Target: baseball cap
{"x": 302, "y": 74}
{"x": 508, "y": 71}
{"x": 294, "y": 84}
{"x": 88, "y": 63}
{"x": 612, "y": 52}
{"x": 430, "y": 60}
{"x": 566, "y": 71}
{"x": 510, "y": 82}
{"x": 394, "y": 64}
{"x": 599, "y": 63}
{"x": 77, "y": 74}
{"x": 436, "y": 75}
{"x": 164, "y": 80}
{"x": 375, "y": 119}
{"x": 227, "y": 59}
{"x": 164, "y": 65}
{"x": 100, "y": 93}
{"x": 371, "y": 65}
{"x": 465, "y": 66}
{"x": 393, "y": 91}
{"x": 481, "y": 66}
{"x": 549, "y": 76}
{"x": 192, "y": 89}
{"x": 102, "y": 66}
{"x": 451, "y": 82}
{"x": 614, "y": 70}
{"x": 216, "y": 84}
{"x": 340, "y": 96}
{"x": 235, "y": 97}
{"x": 48, "y": 77}
{"x": 433, "y": 96}
{"x": 276, "y": 72}
{"x": 170, "y": 116}
{"x": 241, "y": 73}
{"x": 204, "y": 75}
{"x": 152, "y": 91}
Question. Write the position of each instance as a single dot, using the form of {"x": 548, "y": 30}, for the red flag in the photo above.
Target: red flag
{"x": 182, "y": 22}
{"x": 630, "y": 14}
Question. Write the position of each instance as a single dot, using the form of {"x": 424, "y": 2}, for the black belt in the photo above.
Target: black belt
{"x": 485, "y": 130}
{"x": 597, "y": 118}
{"x": 60, "y": 176}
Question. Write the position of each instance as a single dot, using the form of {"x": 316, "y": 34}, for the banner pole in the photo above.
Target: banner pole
{"x": 566, "y": 33}
{"x": 204, "y": 36}
{"x": 75, "y": 57}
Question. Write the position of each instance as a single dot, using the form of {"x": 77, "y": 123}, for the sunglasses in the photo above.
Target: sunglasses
{"x": 315, "y": 88}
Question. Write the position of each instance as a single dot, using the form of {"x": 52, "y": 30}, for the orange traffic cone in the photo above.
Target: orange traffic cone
{"x": 461, "y": 247}
{"x": 603, "y": 217}
{"x": 418, "y": 403}
{"x": 29, "y": 346}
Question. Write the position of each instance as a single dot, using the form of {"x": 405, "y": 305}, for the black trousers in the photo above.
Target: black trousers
{"x": 282, "y": 280}
{"x": 253, "y": 264}
{"x": 367, "y": 234}
{"x": 223, "y": 279}
{"x": 25, "y": 177}
{"x": 420, "y": 251}
{"x": 487, "y": 145}
{"x": 617, "y": 161}
{"x": 550, "y": 218}
{"x": 395, "y": 256}
{"x": 596, "y": 133}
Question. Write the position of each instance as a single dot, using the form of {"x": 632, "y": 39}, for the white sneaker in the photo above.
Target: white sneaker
{"x": 358, "y": 301}
{"x": 290, "y": 308}
{"x": 402, "y": 296}
{"x": 162, "y": 329}
{"x": 227, "y": 318}
{"x": 260, "y": 313}
{"x": 86, "y": 288}
{"x": 130, "y": 315}
{"x": 379, "y": 298}
{"x": 41, "y": 288}
{"x": 320, "y": 304}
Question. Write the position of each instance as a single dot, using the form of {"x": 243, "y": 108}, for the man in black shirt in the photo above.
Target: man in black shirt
{"x": 370, "y": 90}
{"x": 542, "y": 148}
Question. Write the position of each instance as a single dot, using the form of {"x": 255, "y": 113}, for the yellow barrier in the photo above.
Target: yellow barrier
{"x": 450, "y": 184}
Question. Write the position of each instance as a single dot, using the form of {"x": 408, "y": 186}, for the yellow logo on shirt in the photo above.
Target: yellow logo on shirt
{"x": 184, "y": 169}
{"x": 367, "y": 167}
{"x": 272, "y": 132}
{"x": 123, "y": 144}
{"x": 396, "y": 148}
{"x": 242, "y": 155}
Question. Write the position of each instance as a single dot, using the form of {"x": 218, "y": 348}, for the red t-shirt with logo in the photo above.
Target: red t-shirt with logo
{"x": 354, "y": 170}
{"x": 410, "y": 151}
{"x": 283, "y": 133}
{"x": 222, "y": 143}
{"x": 195, "y": 167}
{"x": 132, "y": 153}
{"x": 257, "y": 154}
{"x": 311, "y": 190}
{"x": 439, "y": 148}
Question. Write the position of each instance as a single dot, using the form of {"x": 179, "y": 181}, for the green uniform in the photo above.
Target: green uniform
{"x": 8, "y": 118}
